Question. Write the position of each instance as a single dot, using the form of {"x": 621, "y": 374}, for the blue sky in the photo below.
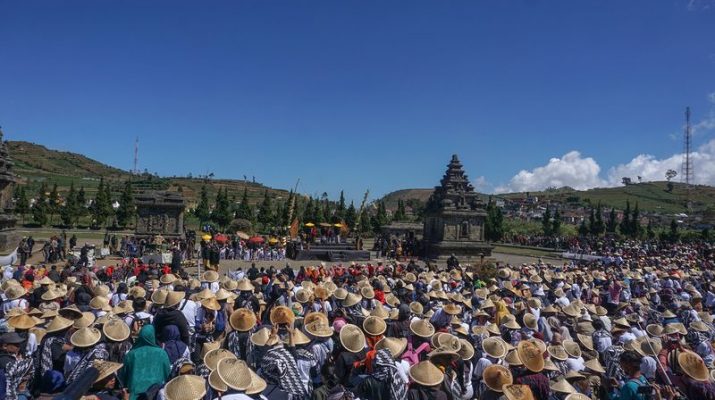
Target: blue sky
{"x": 365, "y": 94}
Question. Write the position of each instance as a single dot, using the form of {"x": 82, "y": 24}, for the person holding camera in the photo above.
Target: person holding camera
{"x": 636, "y": 386}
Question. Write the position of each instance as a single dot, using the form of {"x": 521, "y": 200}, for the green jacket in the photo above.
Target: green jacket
{"x": 145, "y": 365}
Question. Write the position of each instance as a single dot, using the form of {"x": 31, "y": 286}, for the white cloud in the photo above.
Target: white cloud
{"x": 570, "y": 170}
{"x": 708, "y": 122}
{"x": 481, "y": 184}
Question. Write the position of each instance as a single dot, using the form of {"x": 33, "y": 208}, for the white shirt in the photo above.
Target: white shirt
{"x": 213, "y": 286}
{"x": 9, "y": 305}
{"x": 403, "y": 369}
{"x": 189, "y": 310}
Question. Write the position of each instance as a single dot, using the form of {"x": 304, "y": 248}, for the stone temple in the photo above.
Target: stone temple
{"x": 454, "y": 219}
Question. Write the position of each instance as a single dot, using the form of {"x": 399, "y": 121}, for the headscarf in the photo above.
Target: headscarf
{"x": 501, "y": 311}
{"x": 147, "y": 337}
{"x": 173, "y": 345}
{"x": 648, "y": 367}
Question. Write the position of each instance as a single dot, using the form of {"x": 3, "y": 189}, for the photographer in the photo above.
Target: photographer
{"x": 637, "y": 386}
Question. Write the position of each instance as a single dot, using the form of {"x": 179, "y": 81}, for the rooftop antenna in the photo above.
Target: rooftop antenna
{"x": 136, "y": 156}
{"x": 687, "y": 172}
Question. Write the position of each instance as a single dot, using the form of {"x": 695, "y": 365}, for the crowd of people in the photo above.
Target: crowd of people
{"x": 640, "y": 328}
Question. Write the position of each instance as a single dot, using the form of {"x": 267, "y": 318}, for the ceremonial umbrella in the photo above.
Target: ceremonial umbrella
{"x": 338, "y": 225}
{"x": 310, "y": 224}
{"x": 272, "y": 240}
{"x": 220, "y": 238}
{"x": 242, "y": 235}
{"x": 256, "y": 240}
{"x": 206, "y": 237}
{"x": 325, "y": 225}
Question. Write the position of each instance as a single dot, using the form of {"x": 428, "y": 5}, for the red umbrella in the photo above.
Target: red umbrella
{"x": 221, "y": 238}
{"x": 256, "y": 240}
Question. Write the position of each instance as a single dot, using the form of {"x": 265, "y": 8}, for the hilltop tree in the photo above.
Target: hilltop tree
{"x": 265, "y": 211}
{"x": 494, "y": 224}
{"x": 612, "y": 224}
{"x": 53, "y": 203}
{"x": 221, "y": 213}
{"x": 309, "y": 213}
{"x": 39, "y": 209}
{"x": 400, "y": 213}
{"x": 202, "y": 211}
{"x": 127, "y": 209}
{"x": 244, "y": 210}
{"x": 674, "y": 234}
{"x": 22, "y": 204}
{"x": 546, "y": 225}
{"x": 600, "y": 226}
{"x": 102, "y": 206}
{"x": 592, "y": 228}
{"x": 625, "y": 226}
{"x": 340, "y": 210}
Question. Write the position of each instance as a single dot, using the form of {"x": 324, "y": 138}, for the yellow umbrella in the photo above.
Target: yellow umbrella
{"x": 206, "y": 237}
{"x": 338, "y": 225}
{"x": 310, "y": 224}
{"x": 272, "y": 240}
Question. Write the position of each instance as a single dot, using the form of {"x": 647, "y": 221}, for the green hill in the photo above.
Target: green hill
{"x": 35, "y": 164}
{"x": 651, "y": 197}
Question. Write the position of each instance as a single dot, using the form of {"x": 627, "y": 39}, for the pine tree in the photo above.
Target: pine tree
{"x": 69, "y": 210}
{"x": 351, "y": 216}
{"x": 556, "y": 227}
{"x": 102, "y": 206}
{"x": 81, "y": 205}
{"x": 583, "y": 229}
{"x": 364, "y": 221}
{"x": 244, "y": 209}
{"x": 202, "y": 211}
{"x": 54, "y": 203}
{"x": 127, "y": 208}
{"x": 612, "y": 223}
{"x": 340, "y": 210}
{"x": 592, "y": 227}
{"x": 382, "y": 217}
{"x": 625, "y": 226}
{"x": 318, "y": 211}
{"x": 649, "y": 230}
{"x": 221, "y": 213}
{"x": 546, "y": 222}
{"x": 674, "y": 234}
{"x": 39, "y": 209}
{"x": 400, "y": 213}
{"x": 600, "y": 226}
{"x": 265, "y": 211}
{"x": 309, "y": 213}
{"x": 494, "y": 224}
{"x": 22, "y": 204}
{"x": 636, "y": 229}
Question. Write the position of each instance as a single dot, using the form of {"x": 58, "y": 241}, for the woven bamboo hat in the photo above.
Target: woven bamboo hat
{"x": 586, "y": 341}
{"x": 260, "y": 337}
{"x": 51, "y": 294}
{"x": 210, "y": 276}
{"x": 496, "y": 376}
{"x": 577, "y": 396}
{"x": 234, "y": 373}
{"x": 86, "y": 320}
{"x": 168, "y": 279}
{"x": 416, "y": 308}
{"x": 512, "y": 359}
{"x": 216, "y": 383}
{"x": 494, "y": 347}
{"x": 426, "y": 374}
{"x": 242, "y": 320}
{"x": 380, "y": 312}
{"x": 159, "y": 296}
{"x": 116, "y": 329}
{"x": 137, "y": 292}
{"x": 14, "y": 292}
{"x": 258, "y": 385}
{"x": 185, "y": 387}
{"x": 563, "y": 386}
{"x": 648, "y": 347}
{"x": 101, "y": 290}
{"x": 595, "y": 366}
{"x": 211, "y": 304}
{"x": 422, "y": 328}
{"x": 396, "y": 346}
{"x": 173, "y": 298}
{"x": 531, "y": 356}
{"x": 530, "y": 321}
{"x": 100, "y": 303}
{"x": 367, "y": 292}
{"x": 693, "y": 366}
{"x": 452, "y": 309}
{"x": 340, "y": 293}
{"x": 351, "y": 299}
{"x": 466, "y": 351}
{"x": 123, "y": 307}
{"x": 282, "y": 315}
{"x": 106, "y": 369}
{"x": 303, "y": 296}
{"x": 518, "y": 392}
{"x": 245, "y": 285}
{"x": 23, "y": 321}
{"x": 317, "y": 325}
{"x": 299, "y": 338}
{"x": 212, "y": 358}
{"x": 374, "y": 326}
{"x": 558, "y": 352}
{"x": 352, "y": 338}
{"x": 58, "y": 323}
{"x": 572, "y": 348}
{"x": 204, "y": 294}
{"x": 86, "y": 337}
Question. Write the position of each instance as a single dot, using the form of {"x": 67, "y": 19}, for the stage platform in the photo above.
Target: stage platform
{"x": 334, "y": 252}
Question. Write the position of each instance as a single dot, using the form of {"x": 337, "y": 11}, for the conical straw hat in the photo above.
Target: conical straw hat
{"x": 282, "y": 315}
{"x": 351, "y": 299}
{"x": 185, "y": 387}
{"x": 518, "y": 392}
{"x": 396, "y": 346}
{"x": 466, "y": 351}
{"x": 512, "y": 359}
{"x": 86, "y": 320}
{"x": 159, "y": 296}
{"x": 426, "y": 374}
{"x": 21, "y": 322}
{"x": 173, "y": 298}
{"x": 563, "y": 386}
{"x": 124, "y": 307}
{"x": 212, "y": 358}
{"x": 210, "y": 304}
{"x": 234, "y": 373}
{"x": 374, "y": 326}
{"x": 496, "y": 376}
{"x": 577, "y": 396}
{"x": 116, "y": 329}
{"x": 572, "y": 348}
{"x": 105, "y": 368}
{"x": 595, "y": 366}
{"x": 216, "y": 383}
{"x": 494, "y": 347}
{"x": 14, "y": 292}
{"x": 260, "y": 337}
{"x": 210, "y": 276}
{"x": 242, "y": 320}
{"x": 58, "y": 323}
{"x": 531, "y": 356}
{"x": 51, "y": 294}
{"x": 422, "y": 328}
{"x": 245, "y": 285}
{"x": 352, "y": 338}
{"x": 317, "y": 325}
{"x": 101, "y": 290}
{"x": 86, "y": 337}
{"x": 258, "y": 385}
{"x": 558, "y": 352}
{"x": 693, "y": 365}
{"x": 299, "y": 338}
